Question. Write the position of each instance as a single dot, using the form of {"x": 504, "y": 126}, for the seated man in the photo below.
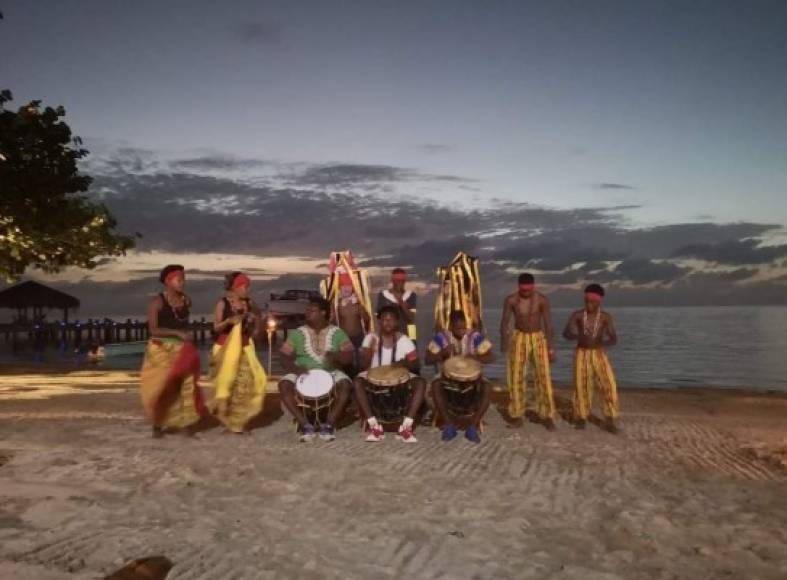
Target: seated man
{"x": 316, "y": 345}
{"x": 389, "y": 347}
{"x": 458, "y": 340}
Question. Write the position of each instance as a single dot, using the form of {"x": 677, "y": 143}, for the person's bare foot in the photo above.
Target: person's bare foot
{"x": 550, "y": 424}
{"x": 157, "y": 433}
{"x": 611, "y": 426}
{"x": 580, "y": 424}
{"x": 515, "y": 423}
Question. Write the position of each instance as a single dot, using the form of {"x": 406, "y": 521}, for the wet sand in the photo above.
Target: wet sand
{"x": 695, "y": 486}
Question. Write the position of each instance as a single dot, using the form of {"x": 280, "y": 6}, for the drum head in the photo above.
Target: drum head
{"x": 462, "y": 368}
{"x": 314, "y": 384}
{"x": 388, "y": 375}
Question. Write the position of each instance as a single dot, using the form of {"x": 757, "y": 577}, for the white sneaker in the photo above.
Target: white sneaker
{"x": 376, "y": 434}
{"x": 406, "y": 435}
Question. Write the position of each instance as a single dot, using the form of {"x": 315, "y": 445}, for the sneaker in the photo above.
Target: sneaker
{"x": 406, "y": 435}
{"x": 308, "y": 434}
{"x": 327, "y": 433}
{"x": 375, "y": 434}
{"x": 471, "y": 434}
{"x": 449, "y": 432}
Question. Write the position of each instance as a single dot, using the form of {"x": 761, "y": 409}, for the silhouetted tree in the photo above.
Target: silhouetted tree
{"x": 45, "y": 220}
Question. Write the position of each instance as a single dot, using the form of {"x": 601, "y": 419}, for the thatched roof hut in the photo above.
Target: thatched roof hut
{"x": 38, "y": 297}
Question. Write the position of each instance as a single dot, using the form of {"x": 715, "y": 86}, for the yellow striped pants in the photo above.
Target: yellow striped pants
{"x": 592, "y": 370}
{"x": 526, "y": 348}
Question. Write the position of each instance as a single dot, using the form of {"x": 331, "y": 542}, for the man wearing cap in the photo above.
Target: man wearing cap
{"x": 532, "y": 342}
{"x": 593, "y": 330}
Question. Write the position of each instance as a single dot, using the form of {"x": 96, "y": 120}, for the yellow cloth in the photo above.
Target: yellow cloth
{"x": 239, "y": 381}
{"x": 592, "y": 370}
{"x": 160, "y": 356}
{"x": 524, "y": 348}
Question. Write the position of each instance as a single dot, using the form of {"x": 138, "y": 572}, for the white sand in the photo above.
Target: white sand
{"x": 693, "y": 488}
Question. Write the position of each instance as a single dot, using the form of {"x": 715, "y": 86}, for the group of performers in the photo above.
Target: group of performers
{"x": 346, "y": 352}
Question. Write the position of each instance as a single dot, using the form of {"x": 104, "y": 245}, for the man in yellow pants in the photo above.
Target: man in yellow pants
{"x": 532, "y": 342}
{"x": 593, "y": 330}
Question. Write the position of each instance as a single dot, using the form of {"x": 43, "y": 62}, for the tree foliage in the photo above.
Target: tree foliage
{"x": 46, "y": 220}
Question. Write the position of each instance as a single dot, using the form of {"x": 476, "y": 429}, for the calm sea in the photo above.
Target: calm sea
{"x": 739, "y": 347}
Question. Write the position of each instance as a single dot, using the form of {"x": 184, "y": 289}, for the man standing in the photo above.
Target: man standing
{"x": 532, "y": 342}
{"x": 593, "y": 330}
{"x": 404, "y": 300}
{"x": 351, "y": 317}
{"x": 316, "y": 345}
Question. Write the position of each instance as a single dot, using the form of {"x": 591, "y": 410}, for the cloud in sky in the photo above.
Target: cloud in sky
{"x": 608, "y": 185}
{"x": 281, "y": 225}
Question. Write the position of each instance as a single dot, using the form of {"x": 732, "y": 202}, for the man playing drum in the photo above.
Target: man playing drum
{"x": 317, "y": 345}
{"x": 465, "y": 350}
{"x": 389, "y": 358}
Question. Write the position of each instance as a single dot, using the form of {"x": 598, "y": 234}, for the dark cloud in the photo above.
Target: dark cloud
{"x": 326, "y": 207}
{"x": 747, "y": 251}
{"x": 261, "y": 32}
{"x": 648, "y": 272}
{"x": 218, "y": 163}
{"x": 346, "y": 174}
{"x": 607, "y": 185}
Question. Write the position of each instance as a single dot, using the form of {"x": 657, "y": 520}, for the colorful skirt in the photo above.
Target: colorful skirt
{"x": 239, "y": 382}
{"x": 171, "y": 395}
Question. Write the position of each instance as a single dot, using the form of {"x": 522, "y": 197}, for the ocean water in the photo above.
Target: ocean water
{"x": 740, "y": 347}
{"x": 735, "y": 347}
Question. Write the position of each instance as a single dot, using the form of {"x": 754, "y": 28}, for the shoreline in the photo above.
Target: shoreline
{"x": 49, "y": 369}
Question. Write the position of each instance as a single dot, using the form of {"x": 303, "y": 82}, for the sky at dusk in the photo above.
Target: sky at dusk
{"x": 639, "y": 144}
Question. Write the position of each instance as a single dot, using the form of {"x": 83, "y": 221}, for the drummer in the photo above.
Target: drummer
{"x": 389, "y": 347}
{"x": 458, "y": 340}
{"x": 316, "y": 345}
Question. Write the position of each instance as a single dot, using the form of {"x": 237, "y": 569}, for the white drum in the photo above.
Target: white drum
{"x": 314, "y": 393}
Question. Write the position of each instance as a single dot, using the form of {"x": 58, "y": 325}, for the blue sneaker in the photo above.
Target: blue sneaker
{"x": 308, "y": 434}
{"x": 471, "y": 433}
{"x": 449, "y": 432}
{"x": 327, "y": 432}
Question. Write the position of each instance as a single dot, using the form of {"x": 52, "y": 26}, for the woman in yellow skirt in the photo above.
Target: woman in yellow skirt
{"x": 171, "y": 395}
{"x": 239, "y": 379}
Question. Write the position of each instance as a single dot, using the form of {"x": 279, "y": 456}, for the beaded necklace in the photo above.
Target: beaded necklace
{"x": 596, "y": 324}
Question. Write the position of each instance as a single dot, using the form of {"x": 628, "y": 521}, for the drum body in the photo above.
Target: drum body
{"x": 462, "y": 384}
{"x": 314, "y": 393}
{"x": 388, "y": 390}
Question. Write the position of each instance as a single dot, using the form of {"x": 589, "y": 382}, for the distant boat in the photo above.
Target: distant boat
{"x": 115, "y": 349}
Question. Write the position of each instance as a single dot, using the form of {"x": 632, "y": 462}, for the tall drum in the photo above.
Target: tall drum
{"x": 314, "y": 393}
{"x": 388, "y": 389}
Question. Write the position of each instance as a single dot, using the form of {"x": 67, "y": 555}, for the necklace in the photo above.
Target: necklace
{"x": 596, "y": 323}
{"x": 182, "y": 307}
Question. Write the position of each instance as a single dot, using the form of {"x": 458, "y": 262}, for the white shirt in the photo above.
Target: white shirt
{"x": 404, "y": 346}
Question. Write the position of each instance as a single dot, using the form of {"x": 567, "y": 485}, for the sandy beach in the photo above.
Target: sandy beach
{"x": 695, "y": 486}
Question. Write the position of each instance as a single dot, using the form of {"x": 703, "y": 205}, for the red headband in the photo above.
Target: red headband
{"x": 172, "y": 275}
{"x": 399, "y": 277}
{"x": 527, "y": 287}
{"x": 241, "y": 280}
{"x": 594, "y": 296}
